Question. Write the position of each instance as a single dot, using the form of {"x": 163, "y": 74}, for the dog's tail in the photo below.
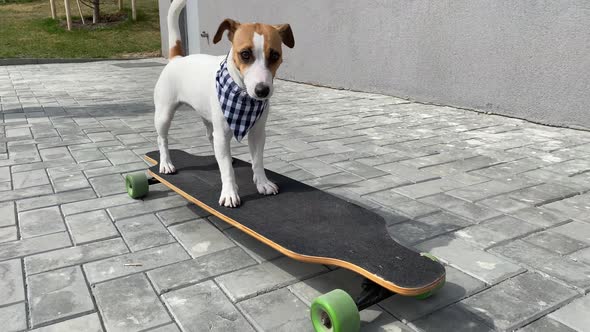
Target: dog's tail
{"x": 174, "y": 41}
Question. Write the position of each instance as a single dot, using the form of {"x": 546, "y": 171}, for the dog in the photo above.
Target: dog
{"x": 217, "y": 87}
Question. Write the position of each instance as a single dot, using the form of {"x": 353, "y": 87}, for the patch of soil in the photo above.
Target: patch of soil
{"x": 106, "y": 21}
{"x": 146, "y": 54}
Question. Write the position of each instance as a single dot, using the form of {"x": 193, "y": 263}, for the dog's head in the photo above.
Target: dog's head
{"x": 257, "y": 52}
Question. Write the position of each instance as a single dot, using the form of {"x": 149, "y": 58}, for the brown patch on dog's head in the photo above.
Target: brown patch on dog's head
{"x": 176, "y": 50}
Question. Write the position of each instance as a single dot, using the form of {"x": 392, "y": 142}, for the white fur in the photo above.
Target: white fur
{"x": 191, "y": 80}
{"x": 172, "y": 20}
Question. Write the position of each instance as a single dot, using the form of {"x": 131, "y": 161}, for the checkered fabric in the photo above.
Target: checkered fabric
{"x": 240, "y": 110}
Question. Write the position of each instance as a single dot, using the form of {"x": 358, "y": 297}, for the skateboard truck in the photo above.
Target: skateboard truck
{"x": 371, "y": 294}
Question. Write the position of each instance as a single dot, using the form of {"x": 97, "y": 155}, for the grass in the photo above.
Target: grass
{"x": 27, "y": 31}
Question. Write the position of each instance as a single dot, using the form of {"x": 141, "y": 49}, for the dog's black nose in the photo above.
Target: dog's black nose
{"x": 261, "y": 90}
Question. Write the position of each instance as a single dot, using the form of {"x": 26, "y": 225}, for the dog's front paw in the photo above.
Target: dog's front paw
{"x": 229, "y": 197}
{"x": 265, "y": 186}
{"x": 166, "y": 167}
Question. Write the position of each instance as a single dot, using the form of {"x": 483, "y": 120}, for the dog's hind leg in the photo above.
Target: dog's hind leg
{"x": 163, "y": 119}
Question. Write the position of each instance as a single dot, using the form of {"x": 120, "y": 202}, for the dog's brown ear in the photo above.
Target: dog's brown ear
{"x": 227, "y": 24}
{"x": 286, "y": 34}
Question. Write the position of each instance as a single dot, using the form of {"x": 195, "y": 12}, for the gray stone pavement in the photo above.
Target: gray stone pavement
{"x": 505, "y": 204}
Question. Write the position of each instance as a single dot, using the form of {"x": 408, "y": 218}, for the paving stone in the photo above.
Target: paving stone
{"x": 144, "y": 232}
{"x": 494, "y": 231}
{"x": 122, "y": 157}
{"x": 258, "y": 279}
{"x": 527, "y": 297}
{"x": 510, "y": 168}
{"x": 414, "y": 209}
{"x": 360, "y": 169}
{"x": 66, "y": 179}
{"x": 88, "y": 323}
{"x": 543, "y": 194}
{"x": 200, "y": 238}
{"x": 454, "y": 318}
{"x": 58, "y": 294}
{"x": 546, "y": 324}
{"x": 180, "y": 214}
{"x": 427, "y": 188}
{"x": 7, "y": 214}
{"x": 414, "y": 231}
{"x": 55, "y": 199}
{"x": 315, "y": 167}
{"x": 460, "y": 207}
{"x": 96, "y": 204}
{"x": 204, "y": 307}
{"x": 129, "y": 304}
{"x": 504, "y": 203}
{"x": 575, "y": 314}
{"x": 457, "y": 287}
{"x": 34, "y": 245}
{"x": 570, "y": 272}
{"x": 40, "y": 222}
{"x": 481, "y": 191}
{"x": 387, "y": 198}
{"x": 8, "y": 234}
{"x": 16, "y": 194}
{"x": 11, "y": 282}
{"x": 278, "y": 310}
{"x": 555, "y": 242}
{"x": 256, "y": 249}
{"x": 475, "y": 262}
{"x": 13, "y": 317}
{"x": 406, "y": 172}
{"x": 576, "y": 230}
{"x": 462, "y": 165}
{"x": 333, "y": 180}
{"x": 577, "y": 207}
{"x": 140, "y": 261}
{"x": 196, "y": 270}
{"x": 30, "y": 179}
{"x": 74, "y": 255}
{"x": 166, "y": 328}
{"x": 118, "y": 169}
{"x": 582, "y": 256}
{"x": 148, "y": 205}
{"x": 82, "y": 156}
{"x": 539, "y": 217}
{"x": 570, "y": 167}
{"x": 91, "y": 226}
{"x": 108, "y": 184}
{"x": 377, "y": 184}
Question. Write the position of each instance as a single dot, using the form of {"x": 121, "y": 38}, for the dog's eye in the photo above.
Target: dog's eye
{"x": 274, "y": 56}
{"x": 245, "y": 55}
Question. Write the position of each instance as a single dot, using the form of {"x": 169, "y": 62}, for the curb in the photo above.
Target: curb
{"x": 41, "y": 61}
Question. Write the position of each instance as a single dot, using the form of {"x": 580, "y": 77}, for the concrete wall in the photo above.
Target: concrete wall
{"x": 527, "y": 58}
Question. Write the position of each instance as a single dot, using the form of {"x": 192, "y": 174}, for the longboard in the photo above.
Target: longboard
{"x": 305, "y": 223}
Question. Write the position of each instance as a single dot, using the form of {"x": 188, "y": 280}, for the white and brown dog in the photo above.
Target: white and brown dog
{"x": 251, "y": 64}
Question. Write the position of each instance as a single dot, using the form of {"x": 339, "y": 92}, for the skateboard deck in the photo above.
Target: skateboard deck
{"x": 304, "y": 223}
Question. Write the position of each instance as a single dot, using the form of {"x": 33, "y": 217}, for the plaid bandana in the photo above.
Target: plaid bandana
{"x": 240, "y": 110}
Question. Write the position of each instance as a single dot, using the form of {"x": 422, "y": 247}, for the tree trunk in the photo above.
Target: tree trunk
{"x": 95, "y": 11}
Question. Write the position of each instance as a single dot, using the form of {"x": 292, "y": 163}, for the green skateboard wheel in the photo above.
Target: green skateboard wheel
{"x": 428, "y": 294}
{"x": 335, "y": 312}
{"x": 137, "y": 185}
